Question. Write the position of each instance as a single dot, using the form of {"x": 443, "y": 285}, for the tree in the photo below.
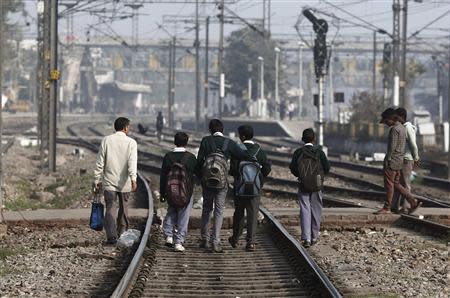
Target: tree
{"x": 11, "y": 30}
{"x": 366, "y": 107}
{"x": 244, "y": 48}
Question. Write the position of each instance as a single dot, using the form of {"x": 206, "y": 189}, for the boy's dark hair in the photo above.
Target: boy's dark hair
{"x": 402, "y": 113}
{"x": 181, "y": 139}
{"x": 121, "y": 123}
{"x": 245, "y": 132}
{"x": 308, "y": 135}
{"x": 215, "y": 125}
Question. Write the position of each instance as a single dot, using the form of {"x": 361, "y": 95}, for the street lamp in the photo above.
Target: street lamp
{"x": 300, "y": 79}
{"x": 277, "y": 93}
{"x": 261, "y": 59}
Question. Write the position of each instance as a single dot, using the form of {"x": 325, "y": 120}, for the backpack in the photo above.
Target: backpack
{"x": 310, "y": 171}
{"x": 248, "y": 184}
{"x": 179, "y": 186}
{"x": 215, "y": 168}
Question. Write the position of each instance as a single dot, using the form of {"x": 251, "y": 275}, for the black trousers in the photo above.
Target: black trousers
{"x": 251, "y": 205}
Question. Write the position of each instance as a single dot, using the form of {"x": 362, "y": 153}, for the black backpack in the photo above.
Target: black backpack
{"x": 179, "y": 186}
{"x": 215, "y": 168}
{"x": 310, "y": 171}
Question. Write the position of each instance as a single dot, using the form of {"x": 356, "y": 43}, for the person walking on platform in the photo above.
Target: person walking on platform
{"x": 116, "y": 172}
{"x": 393, "y": 162}
{"x": 214, "y": 152}
{"x": 248, "y": 180}
{"x": 159, "y": 126}
{"x": 176, "y": 186}
{"x": 411, "y": 160}
{"x": 309, "y": 164}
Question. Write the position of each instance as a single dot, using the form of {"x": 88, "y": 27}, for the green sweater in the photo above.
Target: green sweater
{"x": 190, "y": 164}
{"x": 261, "y": 157}
{"x": 206, "y": 148}
{"x": 323, "y": 159}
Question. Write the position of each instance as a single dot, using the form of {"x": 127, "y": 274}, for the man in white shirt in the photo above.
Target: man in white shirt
{"x": 116, "y": 173}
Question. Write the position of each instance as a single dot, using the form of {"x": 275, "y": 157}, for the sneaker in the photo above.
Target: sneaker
{"x": 204, "y": 244}
{"x": 111, "y": 242}
{"x": 413, "y": 209}
{"x": 216, "y": 248}
{"x": 233, "y": 242}
{"x": 314, "y": 241}
{"x": 179, "y": 247}
{"x": 250, "y": 247}
{"x": 306, "y": 243}
{"x": 169, "y": 241}
{"x": 383, "y": 211}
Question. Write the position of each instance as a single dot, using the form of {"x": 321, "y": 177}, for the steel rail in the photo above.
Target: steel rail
{"x": 327, "y": 288}
{"x": 127, "y": 278}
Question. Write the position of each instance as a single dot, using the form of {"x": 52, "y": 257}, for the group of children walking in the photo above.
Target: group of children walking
{"x": 116, "y": 174}
{"x": 248, "y": 165}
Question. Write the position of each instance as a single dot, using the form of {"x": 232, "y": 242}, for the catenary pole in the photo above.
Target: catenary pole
{"x": 374, "y": 66}
{"x": 1, "y": 111}
{"x": 300, "y": 79}
{"x": 448, "y": 119}
{"x": 320, "y": 111}
{"x": 404, "y": 101}
{"x": 197, "y": 69}
{"x": 54, "y": 76}
{"x": 206, "y": 86}
{"x": 220, "y": 58}
{"x": 169, "y": 86}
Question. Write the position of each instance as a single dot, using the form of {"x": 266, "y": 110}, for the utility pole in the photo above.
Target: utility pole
{"x": 174, "y": 64}
{"x": 250, "y": 84}
{"x": 197, "y": 69}
{"x": 386, "y": 75}
{"x": 206, "y": 86}
{"x": 264, "y": 16}
{"x": 300, "y": 79}
{"x": 448, "y": 119}
{"x": 169, "y": 85}
{"x": 374, "y": 66}
{"x": 330, "y": 85}
{"x": 396, "y": 52}
{"x": 54, "y": 77}
{"x": 277, "y": 93}
{"x": 1, "y": 111}
{"x": 404, "y": 101}
{"x": 269, "y": 25}
{"x": 220, "y": 58}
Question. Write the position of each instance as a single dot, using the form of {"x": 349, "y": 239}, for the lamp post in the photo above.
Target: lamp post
{"x": 277, "y": 93}
{"x": 300, "y": 78}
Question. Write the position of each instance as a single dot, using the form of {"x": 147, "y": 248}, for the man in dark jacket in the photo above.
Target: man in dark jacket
{"x": 250, "y": 204}
{"x": 177, "y": 219}
{"x": 310, "y": 202}
{"x": 214, "y": 199}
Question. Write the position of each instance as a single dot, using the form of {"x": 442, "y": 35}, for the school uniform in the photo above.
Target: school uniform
{"x": 214, "y": 200}
{"x": 310, "y": 202}
{"x": 177, "y": 219}
{"x": 251, "y": 205}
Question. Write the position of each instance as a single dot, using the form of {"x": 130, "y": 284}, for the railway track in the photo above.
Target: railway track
{"x": 281, "y": 267}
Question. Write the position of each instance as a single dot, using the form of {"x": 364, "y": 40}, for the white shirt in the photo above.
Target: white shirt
{"x": 116, "y": 164}
{"x": 179, "y": 149}
{"x": 309, "y": 144}
{"x": 218, "y": 133}
{"x": 248, "y": 142}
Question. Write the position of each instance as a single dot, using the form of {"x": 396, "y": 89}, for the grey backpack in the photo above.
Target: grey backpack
{"x": 248, "y": 184}
{"x": 215, "y": 168}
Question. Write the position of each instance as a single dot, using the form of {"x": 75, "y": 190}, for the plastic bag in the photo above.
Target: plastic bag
{"x": 128, "y": 238}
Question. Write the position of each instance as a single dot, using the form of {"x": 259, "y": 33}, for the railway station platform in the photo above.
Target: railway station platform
{"x": 288, "y": 216}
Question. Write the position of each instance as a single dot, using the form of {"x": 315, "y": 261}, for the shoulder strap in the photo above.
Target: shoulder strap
{"x": 257, "y": 151}
{"x": 213, "y": 144}
{"x": 225, "y": 144}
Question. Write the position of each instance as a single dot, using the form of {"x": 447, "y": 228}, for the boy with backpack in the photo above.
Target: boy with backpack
{"x": 248, "y": 180}
{"x": 309, "y": 164}
{"x": 213, "y": 154}
{"x": 176, "y": 186}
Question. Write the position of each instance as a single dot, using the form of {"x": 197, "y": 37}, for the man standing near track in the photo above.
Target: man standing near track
{"x": 393, "y": 162}
{"x": 116, "y": 173}
{"x": 212, "y": 162}
{"x": 309, "y": 164}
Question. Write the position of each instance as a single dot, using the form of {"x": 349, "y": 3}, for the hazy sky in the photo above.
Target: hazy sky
{"x": 284, "y": 14}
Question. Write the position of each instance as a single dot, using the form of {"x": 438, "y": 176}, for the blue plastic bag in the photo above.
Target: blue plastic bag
{"x": 97, "y": 214}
